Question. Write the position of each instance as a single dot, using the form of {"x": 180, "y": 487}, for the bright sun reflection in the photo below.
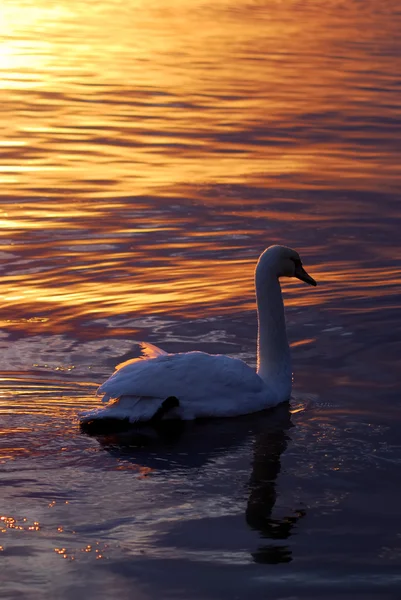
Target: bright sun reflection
{"x": 20, "y": 59}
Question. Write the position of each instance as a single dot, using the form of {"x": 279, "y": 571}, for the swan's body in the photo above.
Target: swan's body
{"x": 206, "y": 385}
{"x": 212, "y": 385}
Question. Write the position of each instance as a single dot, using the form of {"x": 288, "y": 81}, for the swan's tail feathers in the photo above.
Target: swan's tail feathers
{"x": 151, "y": 351}
{"x": 147, "y": 351}
{"x": 106, "y": 398}
{"x": 166, "y": 406}
{"x": 127, "y": 412}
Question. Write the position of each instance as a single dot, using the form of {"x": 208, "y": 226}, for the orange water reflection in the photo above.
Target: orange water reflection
{"x": 52, "y": 283}
{"x": 174, "y": 288}
{"x": 150, "y": 153}
{"x": 139, "y": 96}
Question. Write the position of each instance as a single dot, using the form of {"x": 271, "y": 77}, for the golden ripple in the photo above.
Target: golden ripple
{"x": 202, "y": 118}
{"x": 133, "y": 175}
{"x": 174, "y": 287}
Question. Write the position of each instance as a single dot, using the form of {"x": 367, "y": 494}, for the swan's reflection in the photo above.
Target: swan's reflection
{"x": 269, "y": 445}
{"x": 193, "y": 444}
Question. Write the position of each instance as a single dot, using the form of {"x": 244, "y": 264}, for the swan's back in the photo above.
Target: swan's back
{"x": 186, "y": 375}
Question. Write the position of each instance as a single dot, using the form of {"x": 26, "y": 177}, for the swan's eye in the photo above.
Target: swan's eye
{"x": 297, "y": 262}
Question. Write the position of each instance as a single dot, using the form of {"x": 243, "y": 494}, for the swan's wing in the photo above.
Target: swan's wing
{"x": 189, "y": 376}
{"x": 148, "y": 350}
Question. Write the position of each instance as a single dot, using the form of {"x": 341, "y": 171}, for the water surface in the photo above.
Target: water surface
{"x": 149, "y": 154}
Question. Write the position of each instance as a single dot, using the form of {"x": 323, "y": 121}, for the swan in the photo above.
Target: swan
{"x": 193, "y": 385}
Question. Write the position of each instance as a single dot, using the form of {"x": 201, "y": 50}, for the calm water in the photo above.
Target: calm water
{"x": 149, "y": 152}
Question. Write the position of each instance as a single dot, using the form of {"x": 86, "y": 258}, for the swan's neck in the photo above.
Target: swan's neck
{"x": 274, "y": 360}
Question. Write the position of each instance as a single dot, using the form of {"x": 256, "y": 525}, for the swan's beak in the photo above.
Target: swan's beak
{"x": 301, "y": 274}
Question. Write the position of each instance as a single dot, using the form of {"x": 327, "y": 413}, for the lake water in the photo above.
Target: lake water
{"x": 149, "y": 152}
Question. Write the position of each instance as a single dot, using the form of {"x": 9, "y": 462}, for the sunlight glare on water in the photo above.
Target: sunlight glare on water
{"x": 149, "y": 152}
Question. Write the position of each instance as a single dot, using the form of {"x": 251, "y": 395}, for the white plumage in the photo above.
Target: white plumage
{"x": 208, "y": 385}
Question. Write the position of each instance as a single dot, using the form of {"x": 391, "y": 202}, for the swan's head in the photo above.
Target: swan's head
{"x": 283, "y": 262}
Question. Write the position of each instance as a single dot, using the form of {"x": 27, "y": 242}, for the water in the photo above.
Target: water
{"x": 150, "y": 152}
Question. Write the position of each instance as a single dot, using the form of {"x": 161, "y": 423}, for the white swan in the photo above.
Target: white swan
{"x": 192, "y": 385}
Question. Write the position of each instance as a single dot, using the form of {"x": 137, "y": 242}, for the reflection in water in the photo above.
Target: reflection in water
{"x": 266, "y": 466}
{"x": 210, "y": 499}
{"x": 192, "y": 445}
